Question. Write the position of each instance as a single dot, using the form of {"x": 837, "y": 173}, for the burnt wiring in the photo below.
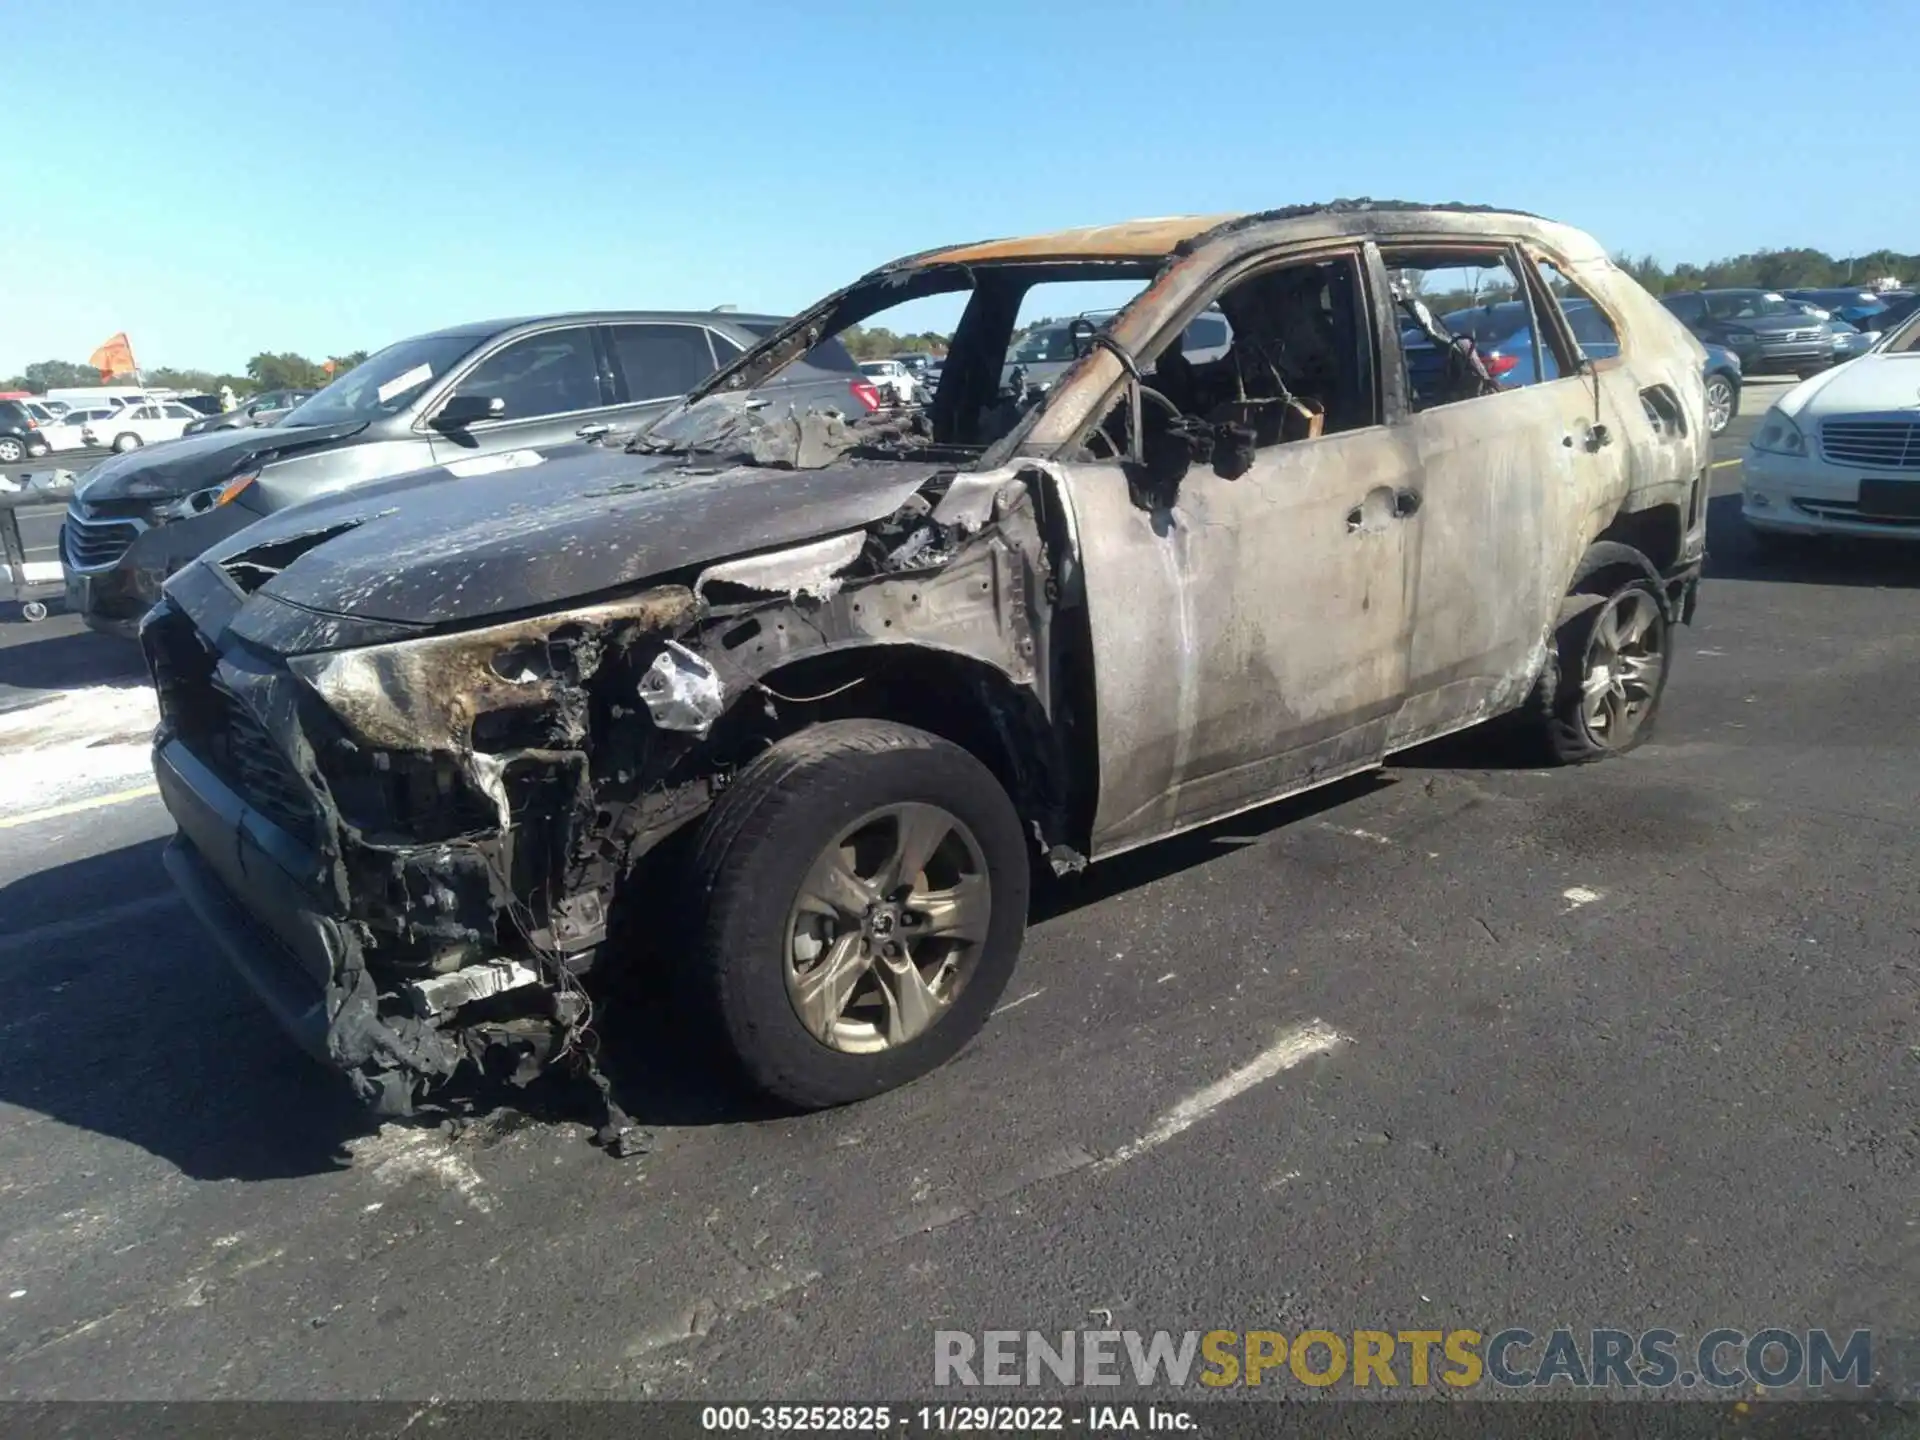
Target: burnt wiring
{"x": 616, "y": 1132}
{"x": 551, "y": 960}
{"x": 809, "y": 699}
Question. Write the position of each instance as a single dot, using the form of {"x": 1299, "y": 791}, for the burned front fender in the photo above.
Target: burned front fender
{"x": 459, "y": 813}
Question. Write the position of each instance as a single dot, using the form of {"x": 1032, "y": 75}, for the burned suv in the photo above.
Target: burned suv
{"x": 428, "y": 743}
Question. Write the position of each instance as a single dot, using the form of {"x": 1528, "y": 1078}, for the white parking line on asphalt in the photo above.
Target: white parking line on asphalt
{"x": 54, "y": 812}
{"x": 1722, "y": 464}
{"x": 1302, "y": 1042}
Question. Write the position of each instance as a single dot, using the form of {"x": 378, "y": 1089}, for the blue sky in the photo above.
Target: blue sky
{"x": 221, "y": 179}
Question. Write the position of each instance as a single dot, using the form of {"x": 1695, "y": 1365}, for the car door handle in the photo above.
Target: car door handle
{"x": 593, "y": 432}
{"x": 1381, "y": 506}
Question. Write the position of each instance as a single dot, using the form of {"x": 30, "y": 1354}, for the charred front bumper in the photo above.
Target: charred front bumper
{"x": 379, "y": 953}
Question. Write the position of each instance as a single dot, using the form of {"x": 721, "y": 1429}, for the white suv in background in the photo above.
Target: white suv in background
{"x": 132, "y": 426}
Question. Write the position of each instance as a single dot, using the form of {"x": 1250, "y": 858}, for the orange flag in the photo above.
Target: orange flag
{"x": 114, "y": 358}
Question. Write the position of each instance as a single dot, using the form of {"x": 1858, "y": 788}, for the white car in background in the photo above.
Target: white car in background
{"x": 892, "y": 379}
{"x": 1840, "y": 454}
{"x": 132, "y": 426}
{"x": 67, "y": 432}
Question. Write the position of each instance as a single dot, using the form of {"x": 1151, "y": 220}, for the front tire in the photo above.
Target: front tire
{"x": 12, "y": 452}
{"x": 123, "y": 443}
{"x": 1613, "y": 649}
{"x": 862, "y": 895}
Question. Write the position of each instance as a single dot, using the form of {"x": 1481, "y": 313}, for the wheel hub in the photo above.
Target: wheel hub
{"x": 1624, "y": 662}
{"x": 886, "y": 927}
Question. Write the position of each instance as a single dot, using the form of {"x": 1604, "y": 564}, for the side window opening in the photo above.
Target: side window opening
{"x": 1055, "y": 326}
{"x": 661, "y": 361}
{"x": 1593, "y": 329}
{"x": 1279, "y": 356}
{"x": 1467, "y": 325}
{"x": 552, "y": 373}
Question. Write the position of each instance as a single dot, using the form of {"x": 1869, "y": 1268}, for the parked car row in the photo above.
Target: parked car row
{"x": 1767, "y": 330}
{"x": 451, "y": 654}
{"x": 1797, "y": 331}
{"x": 115, "y": 419}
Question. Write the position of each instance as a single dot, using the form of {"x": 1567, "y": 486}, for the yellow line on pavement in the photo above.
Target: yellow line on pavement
{"x": 1722, "y": 464}
{"x": 98, "y": 802}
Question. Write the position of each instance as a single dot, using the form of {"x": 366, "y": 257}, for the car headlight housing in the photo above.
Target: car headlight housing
{"x": 211, "y": 498}
{"x": 1741, "y": 337}
{"x": 1778, "y": 435}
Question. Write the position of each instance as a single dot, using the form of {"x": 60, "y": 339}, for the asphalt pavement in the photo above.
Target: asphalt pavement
{"x": 1628, "y": 1045}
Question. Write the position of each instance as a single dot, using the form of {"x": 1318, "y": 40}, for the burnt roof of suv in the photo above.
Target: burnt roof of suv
{"x": 1150, "y": 239}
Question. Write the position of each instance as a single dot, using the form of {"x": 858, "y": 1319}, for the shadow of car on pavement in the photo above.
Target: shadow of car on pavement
{"x": 120, "y": 1016}
{"x": 121, "y": 1019}
{"x": 1736, "y": 552}
{"x": 35, "y": 663}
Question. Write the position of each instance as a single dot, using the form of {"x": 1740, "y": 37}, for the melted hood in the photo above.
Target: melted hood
{"x": 193, "y": 462}
{"x": 529, "y": 530}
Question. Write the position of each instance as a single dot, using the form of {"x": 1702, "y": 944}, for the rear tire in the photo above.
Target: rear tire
{"x": 123, "y": 443}
{"x": 12, "y": 452}
{"x": 759, "y": 852}
{"x": 1612, "y": 652}
{"x": 1723, "y": 403}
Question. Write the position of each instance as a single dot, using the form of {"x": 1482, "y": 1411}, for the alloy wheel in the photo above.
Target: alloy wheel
{"x": 888, "y": 926}
{"x": 1719, "y": 404}
{"x": 1625, "y": 660}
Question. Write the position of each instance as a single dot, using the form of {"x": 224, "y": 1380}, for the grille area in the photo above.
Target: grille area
{"x": 254, "y": 764}
{"x": 97, "y": 544}
{"x": 1884, "y": 444}
{"x": 221, "y": 732}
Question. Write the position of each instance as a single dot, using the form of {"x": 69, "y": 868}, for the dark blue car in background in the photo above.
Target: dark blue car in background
{"x": 1859, "y": 308}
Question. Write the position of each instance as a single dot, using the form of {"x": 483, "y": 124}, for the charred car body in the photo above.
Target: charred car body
{"x": 426, "y": 742}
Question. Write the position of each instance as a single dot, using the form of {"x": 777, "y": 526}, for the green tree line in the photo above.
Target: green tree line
{"x": 1772, "y": 270}
{"x": 879, "y": 342}
{"x": 265, "y": 371}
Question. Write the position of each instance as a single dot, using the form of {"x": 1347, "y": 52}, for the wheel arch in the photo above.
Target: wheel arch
{"x": 951, "y": 693}
{"x": 1652, "y": 536}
